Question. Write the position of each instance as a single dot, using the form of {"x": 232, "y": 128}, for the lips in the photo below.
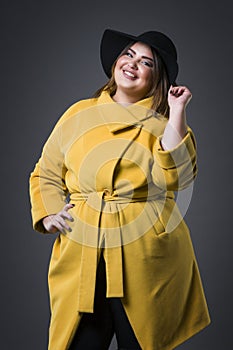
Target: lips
{"x": 129, "y": 75}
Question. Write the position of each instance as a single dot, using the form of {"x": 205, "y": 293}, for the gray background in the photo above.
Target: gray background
{"x": 50, "y": 59}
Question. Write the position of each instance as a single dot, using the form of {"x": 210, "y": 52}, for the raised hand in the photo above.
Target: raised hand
{"x": 178, "y": 97}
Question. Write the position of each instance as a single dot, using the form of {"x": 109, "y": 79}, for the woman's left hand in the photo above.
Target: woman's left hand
{"x": 178, "y": 97}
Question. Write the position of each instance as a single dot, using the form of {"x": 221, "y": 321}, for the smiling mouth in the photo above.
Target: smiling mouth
{"x": 129, "y": 75}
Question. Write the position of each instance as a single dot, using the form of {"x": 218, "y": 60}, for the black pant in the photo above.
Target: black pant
{"x": 96, "y": 330}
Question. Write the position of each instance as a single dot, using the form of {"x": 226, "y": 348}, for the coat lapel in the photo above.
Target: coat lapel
{"x": 119, "y": 118}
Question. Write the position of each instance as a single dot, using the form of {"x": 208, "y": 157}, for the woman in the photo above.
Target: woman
{"x": 123, "y": 260}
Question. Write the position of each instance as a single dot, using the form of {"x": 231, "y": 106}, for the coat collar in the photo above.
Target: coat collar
{"x": 119, "y": 117}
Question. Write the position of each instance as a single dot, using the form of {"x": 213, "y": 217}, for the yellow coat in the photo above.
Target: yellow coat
{"x": 108, "y": 160}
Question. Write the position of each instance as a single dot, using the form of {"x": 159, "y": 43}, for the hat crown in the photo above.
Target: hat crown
{"x": 160, "y": 41}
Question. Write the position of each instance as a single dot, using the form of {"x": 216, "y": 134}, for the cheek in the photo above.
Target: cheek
{"x": 116, "y": 70}
{"x": 147, "y": 74}
{"x": 121, "y": 61}
{"x": 148, "y": 79}
{"x": 119, "y": 64}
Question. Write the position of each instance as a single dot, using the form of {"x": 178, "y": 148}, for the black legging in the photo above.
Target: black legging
{"x": 96, "y": 330}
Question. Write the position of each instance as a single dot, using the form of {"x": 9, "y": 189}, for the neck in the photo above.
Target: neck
{"x": 125, "y": 99}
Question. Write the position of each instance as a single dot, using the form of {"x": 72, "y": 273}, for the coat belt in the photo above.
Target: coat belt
{"x": 89, "y": 258}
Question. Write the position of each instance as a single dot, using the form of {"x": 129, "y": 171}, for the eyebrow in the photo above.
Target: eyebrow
{"x": 149, "y": 58}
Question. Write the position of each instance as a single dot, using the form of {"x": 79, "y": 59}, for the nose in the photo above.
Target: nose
{"x": 133, "y": 63}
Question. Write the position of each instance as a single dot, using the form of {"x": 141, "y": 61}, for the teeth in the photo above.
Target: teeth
{"x": 129, "y": 74}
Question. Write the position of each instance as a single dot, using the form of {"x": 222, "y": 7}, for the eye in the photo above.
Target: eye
{"x": 129, "y": 54}
{"x": 148, "y": 64}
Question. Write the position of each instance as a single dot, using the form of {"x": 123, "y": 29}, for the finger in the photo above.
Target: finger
{"x": 58, "y": 227}
{"x": 55, "y": 225}
{"x": 48, "y": 224}
{"x": 66, "y": 215}
{"x": 184, "y": 89}
{"x": 50, "y": 228}
{"x": 174, "y": 90}
{"x": 180, "y": 90}
{"x": 61, "y": 223}
{"x": 68, "y": 206}
{"x": 64, "y": 212}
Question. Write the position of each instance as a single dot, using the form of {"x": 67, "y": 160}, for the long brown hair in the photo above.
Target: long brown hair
{"x": 159, "y": 88}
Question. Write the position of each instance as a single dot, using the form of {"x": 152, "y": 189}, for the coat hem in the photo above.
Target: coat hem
{"x": 173, "y": 344}
{"x": 193, "y": 331}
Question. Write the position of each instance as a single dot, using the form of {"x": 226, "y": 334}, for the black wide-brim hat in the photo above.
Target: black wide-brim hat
{"x": 113, "y": 43}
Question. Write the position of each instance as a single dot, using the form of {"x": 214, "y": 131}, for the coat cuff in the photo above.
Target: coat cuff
{"x": 38, "y": 216}
{"x": 184, "y": 152}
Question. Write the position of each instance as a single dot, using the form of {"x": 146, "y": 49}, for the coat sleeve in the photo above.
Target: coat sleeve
{"x": 175, "y": 169}
{"x": 48, "y": 191}
{"x": 47, "y": 182}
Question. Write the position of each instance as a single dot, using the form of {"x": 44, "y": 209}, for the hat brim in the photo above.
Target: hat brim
{"x": 113, "y": 43}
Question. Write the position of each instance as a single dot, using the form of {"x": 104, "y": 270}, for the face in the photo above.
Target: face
{"x": 134, "y": 71}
